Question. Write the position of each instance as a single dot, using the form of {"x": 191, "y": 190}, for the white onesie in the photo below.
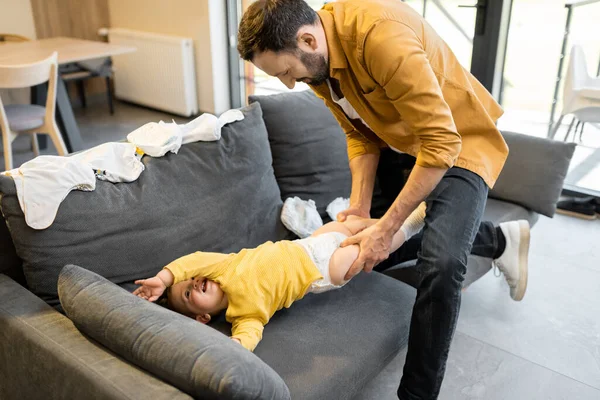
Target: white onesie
{"x": 44, "y": 182}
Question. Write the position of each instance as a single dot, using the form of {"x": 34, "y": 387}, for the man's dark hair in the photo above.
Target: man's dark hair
{"x": 273, "y": 25}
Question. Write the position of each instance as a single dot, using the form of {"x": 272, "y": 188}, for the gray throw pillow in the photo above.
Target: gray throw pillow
{"x": 309, "y": 149}
{"x": 193, "y": 357}
{"x": 534, "y": 172}
{"x": 217, "y": 196}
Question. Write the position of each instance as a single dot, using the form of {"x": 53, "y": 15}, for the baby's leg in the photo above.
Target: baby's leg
{"x": 341, "y": 261}
{"x": 343, "y": 257}
{"x": 333, "y": 226}
{"x": 350, "y": 227}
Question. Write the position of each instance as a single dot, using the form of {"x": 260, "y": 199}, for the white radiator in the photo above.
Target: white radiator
{"x": 159, "y": 74}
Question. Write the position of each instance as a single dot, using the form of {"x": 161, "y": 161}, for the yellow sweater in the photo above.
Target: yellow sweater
{"x": 258, "y": 282}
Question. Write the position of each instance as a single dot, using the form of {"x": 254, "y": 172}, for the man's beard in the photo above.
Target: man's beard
{"x": 316, "y": 66}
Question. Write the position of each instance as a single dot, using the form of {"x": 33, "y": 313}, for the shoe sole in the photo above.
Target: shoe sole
{"x": 576, "y": 215}
{"x": 523, "y": 260}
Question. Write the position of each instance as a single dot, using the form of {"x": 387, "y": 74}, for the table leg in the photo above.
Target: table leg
{"x": 64, "y": 114}
{"x": 38, "y": 96}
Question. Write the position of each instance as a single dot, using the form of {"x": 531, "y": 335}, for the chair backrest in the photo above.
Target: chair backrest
{"x": 576, "y": 78}
{"x": 578, "y": 67}
{"x": 27, "y": 75}
{"x": 11, "y": 37}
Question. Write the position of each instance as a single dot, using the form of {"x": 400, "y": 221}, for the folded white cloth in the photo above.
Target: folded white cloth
{"x": 113, "y": 162}
{"x": 157, "y": 139}
{"x": 207, "y": 127}
{"x": 44, "y": 182}
{"x": 300, "y": 216}
{"x": 336, "y": 206}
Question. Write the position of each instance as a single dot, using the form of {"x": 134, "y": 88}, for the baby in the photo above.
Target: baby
{"x": 255, "y": 283}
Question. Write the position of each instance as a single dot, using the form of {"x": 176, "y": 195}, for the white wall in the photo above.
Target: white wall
{"x": 16, "y": 17}
{"x": 202, "y": 20}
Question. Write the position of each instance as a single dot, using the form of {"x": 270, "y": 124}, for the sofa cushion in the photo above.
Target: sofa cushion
{"x": 187, "y": 354}
{"x": 325, "y": 346}
{"x": 534, "y": 172}
{"x": 499, "y": 211}
{"x": 308, "y": 146}
{"x": 213, "y": 196}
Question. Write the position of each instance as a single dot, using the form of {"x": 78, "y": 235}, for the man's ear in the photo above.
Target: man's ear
{"x": 307, "y": 39}
{"x": 203, "y": 318}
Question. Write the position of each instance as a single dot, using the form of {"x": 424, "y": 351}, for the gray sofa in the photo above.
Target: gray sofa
{"x": 76, "y": 332}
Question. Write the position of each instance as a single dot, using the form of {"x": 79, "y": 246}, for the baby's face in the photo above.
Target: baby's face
{"x": 197, "y": 296}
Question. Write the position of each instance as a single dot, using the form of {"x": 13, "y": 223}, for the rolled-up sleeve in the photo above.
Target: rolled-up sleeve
{"x": 395, "y": 58}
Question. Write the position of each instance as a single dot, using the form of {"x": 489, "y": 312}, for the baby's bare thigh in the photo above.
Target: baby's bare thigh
{"x": 341, "y": 261}
{"x": 333, "y": 227}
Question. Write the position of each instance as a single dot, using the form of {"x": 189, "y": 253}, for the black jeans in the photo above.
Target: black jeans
{"x": 452, "y": 230}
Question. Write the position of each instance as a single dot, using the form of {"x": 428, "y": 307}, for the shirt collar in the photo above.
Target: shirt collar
{"x": 337, "y": 58}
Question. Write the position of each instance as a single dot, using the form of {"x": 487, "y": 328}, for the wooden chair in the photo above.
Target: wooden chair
{"x": 27, "y": 118}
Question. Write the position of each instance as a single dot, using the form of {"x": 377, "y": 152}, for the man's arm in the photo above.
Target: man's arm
{"x": 419, "y": 185}
{"x": 363, "y": 154}
{"x": 395, "y": 58}
{"x": 363, "y": 169}
{"x": 420, "y": 102}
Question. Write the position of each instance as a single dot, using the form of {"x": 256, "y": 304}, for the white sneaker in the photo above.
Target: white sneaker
{"x": 513, "y": 262}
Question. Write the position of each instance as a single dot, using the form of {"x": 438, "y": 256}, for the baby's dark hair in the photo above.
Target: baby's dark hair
{"x": 163, "y": 300}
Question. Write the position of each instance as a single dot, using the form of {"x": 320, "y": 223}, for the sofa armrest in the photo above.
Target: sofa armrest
{"x": 45, "y": 357}
{"x": 534, "y": 172}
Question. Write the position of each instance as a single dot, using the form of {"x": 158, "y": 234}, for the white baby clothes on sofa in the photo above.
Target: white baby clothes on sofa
{"x": 157, "y": 139}
{"x": 300, "y": 216}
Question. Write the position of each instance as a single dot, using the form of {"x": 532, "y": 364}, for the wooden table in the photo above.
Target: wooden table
{"x": 69, "y": 50}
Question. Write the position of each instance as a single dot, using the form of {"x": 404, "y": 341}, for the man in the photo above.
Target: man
{"x": 396, "y": 87}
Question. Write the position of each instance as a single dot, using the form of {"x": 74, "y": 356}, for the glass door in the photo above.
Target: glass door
{"x": 474, "y": 29}
{"x": 541, "y": 36}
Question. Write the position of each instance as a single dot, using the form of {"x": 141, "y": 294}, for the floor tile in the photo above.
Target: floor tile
{"x": 477, "y": 370}
{"x": 557, "y": 325}
{"x": 572, "y": 240}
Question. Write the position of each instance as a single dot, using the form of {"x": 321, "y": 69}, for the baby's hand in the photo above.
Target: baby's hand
{"x": 151, "y": 289}
{"x": 236, "y": 340}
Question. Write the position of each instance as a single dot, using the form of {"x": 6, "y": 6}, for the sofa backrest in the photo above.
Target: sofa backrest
{"x": 212, "y": 196}
{"x": 308, "y": 147}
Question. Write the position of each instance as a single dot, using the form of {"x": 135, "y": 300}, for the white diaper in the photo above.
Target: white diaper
{"x": 300, "y": 216}
{"x": 320, "y": 249}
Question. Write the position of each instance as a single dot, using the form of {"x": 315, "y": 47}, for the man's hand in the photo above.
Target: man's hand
{"x": 375, "y": 243}
{"x": 359, "y": 212}
{"x": 151, "y": 289}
